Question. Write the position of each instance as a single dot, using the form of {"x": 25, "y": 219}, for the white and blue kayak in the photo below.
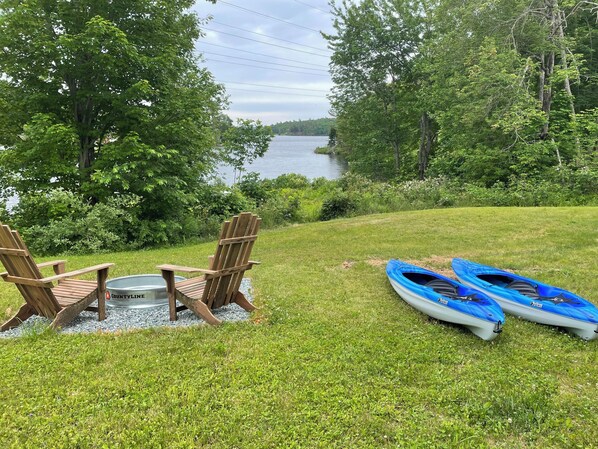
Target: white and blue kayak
{"x": 531, "y": 299}
{"x": 446, "y": 299}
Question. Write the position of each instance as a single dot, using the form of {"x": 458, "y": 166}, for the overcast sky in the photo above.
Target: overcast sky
{"x": 269, "y": 79}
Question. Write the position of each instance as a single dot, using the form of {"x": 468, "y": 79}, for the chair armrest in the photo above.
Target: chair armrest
{"x": 76, "y": 273}
{"x": 51, "y": 264}
{"x": 57, "y": 265}
{"x": 254, "y": 262}
{"x": 180, "y": 268}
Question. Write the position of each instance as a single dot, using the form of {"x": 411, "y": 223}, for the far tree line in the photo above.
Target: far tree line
{"x": 312, "y": 127}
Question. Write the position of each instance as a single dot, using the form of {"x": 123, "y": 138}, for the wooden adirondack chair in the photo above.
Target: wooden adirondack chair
{"x": 60, "y": 303}
{"x": 220, "y": 284}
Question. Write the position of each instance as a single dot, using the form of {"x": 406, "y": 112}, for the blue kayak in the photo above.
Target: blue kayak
{"x": 446, "y": 299}
{"x": 531, "y": 299}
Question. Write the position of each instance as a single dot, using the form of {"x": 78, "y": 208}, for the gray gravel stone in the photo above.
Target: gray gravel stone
{"x": 121, "y": 319}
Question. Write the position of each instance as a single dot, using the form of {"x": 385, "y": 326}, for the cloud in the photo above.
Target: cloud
{"x": 250, "y": 51}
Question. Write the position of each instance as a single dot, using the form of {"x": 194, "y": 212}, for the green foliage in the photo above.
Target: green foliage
{"x": 221, "y": 201}
{"x": 244, "y": 142}
{"x": 103, "y": 99}
{"x": 324, "y": 150}
{"x": 280, "y": 210}
{"x": 313, "y": 127}
{"x": 251, "y": 187}
{"x": 475, "y": 92}
{"x": 60, "y": 222}
{"x": 338, "y": 205}
{"x": 290, "y": 181}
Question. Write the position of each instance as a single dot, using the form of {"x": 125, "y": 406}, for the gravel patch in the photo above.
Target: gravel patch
{"x": 121, "y": 319}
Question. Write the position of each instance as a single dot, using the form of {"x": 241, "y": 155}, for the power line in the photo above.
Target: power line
{"x": 261, "y": 54}
{"x": 313, "y": 7}
{"x": 269, "y": 17}
{"x": 264, "y": 62}
{"x": 266, "y": 68}
{"x": 276, "y": 87}
{"x": 270, "y": 37}
{"x": 279, "y": 93}
{"x": 267, "y": 43}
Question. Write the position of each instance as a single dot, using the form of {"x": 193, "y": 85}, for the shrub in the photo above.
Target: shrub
{"x": 338, "y": 205}
{"x": 279, "y": 210}
{"x": 290, "y": 181}
{"x": 251, "y": 186}
{"x": 77, "y": 227}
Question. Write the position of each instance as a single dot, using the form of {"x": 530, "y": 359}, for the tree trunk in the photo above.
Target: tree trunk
{"x": 396, "y": 151}
{"x": 425, "y": 144}
{"x": 547, "y": 66}
{"x": 567, "y": 83}
{"x": 545, "y": 90}
{"x": 83, "y": 119}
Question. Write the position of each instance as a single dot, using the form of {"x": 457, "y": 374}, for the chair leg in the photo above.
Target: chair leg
{"x": 243, "y": 302}
{"x": 68, "y": 314}
{"x": 24, "y": 312}
{"x": 101, "y": 279}
{"x": 201, "y": 310}
{"x": 171, "y": 291}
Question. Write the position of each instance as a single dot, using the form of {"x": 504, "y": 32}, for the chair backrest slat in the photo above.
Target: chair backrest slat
{"x": 18, "y": 262}
{"x": 234, "y": 247}
{"x": 243, "y": 257}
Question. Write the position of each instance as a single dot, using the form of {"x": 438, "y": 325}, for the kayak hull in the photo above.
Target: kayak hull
{"x": 487, "y": 324}
{"x": 571, "y": 312}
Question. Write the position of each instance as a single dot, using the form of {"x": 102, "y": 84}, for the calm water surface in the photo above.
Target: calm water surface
{"x": 293, "y": 154}
{"x": 287, "y": 154}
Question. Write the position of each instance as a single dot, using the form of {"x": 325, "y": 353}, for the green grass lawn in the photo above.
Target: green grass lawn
{"x": 334, "y": 358}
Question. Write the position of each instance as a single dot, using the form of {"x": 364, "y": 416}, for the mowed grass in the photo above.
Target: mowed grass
{"x": 334, "y": 358}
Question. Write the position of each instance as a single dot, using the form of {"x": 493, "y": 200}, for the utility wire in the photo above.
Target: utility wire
{"x": 266, "y": 68}
{"x": 264, "y": 62}
{"x": 270, "y": 37}
{"x": 276, "y": 87}
{"x": 261, "y": 54}
{"x": 267, "y": 43}
{"x": 269, "y": 17}
{"x": 278, "y": 93}
{"x": 313, "y": 7}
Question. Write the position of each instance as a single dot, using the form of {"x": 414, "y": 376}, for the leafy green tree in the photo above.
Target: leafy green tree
{"x": 101, "y": 97}
{"x": 484, "y": 92}
{"x": 332, "y": 137}
{"x": 504, "y": 77}
{"x": 375, "y": 46}
{"x": 243, "y": 143}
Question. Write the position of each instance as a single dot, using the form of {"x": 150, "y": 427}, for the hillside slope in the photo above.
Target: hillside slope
{"x": 334, "y": 358}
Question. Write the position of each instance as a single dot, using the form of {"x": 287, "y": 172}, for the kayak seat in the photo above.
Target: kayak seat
{"x": 442, "y": 287}
{"x": 531, "y": 291}
{"x": 525, "y": 288}
{"x": 448, "y": 290}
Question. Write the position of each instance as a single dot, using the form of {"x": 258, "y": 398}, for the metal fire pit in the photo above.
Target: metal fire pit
{"x": 137, "y": 292}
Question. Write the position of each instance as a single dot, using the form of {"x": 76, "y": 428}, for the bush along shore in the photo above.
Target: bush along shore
{"x": 59, "y": 221}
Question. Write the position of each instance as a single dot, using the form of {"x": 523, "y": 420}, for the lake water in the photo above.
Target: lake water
{"x": 287, "y": 154}
{"x": 293, "y": 154}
